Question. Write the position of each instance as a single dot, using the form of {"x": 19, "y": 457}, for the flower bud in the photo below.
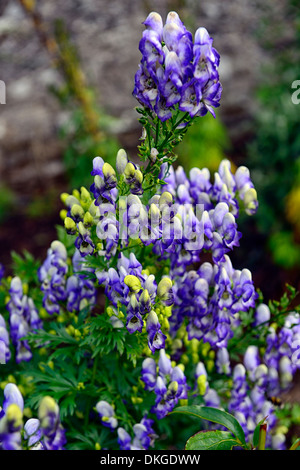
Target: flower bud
{"x": 129, "y": 171}
{"x": 14, "y": 417}
{"x": 77, "y": 212}
{"x": 133, "y": 283}
{"x": 250, "y": 201}
{"x": 164, "y": 291}
{"x": 121, "y": 161}
{"x": 70, "y": 226}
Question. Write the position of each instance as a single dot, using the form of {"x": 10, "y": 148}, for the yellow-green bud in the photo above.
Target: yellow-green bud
{"x": 138, "y": 176}
{"x": 14, "y": 415}
{"x": 165, "y": 198}
{"x": 165, "y": 324}
{"x": 133, "y": 283}
{"x": 70, "y": 225}
{"x": 250, "y": 201}
{"x": 76, "y": 193}
{"x": 129, "y": 170}
{"x": 47, "y": 406}
{"x": 121, "y": 161}
{"x": 163, "y": 289}
{"x": 173, "y": 387}
{"x": 77, "y": 211}
{"x": 88, "y": 219}
{"x": 201, "y": 384}
{"x": 63, "y": 214}
{"x": 85, "y": 196}
{"x": 108, "y": 170}
{"x": 137, "y": 400}
{"x": 64, "y": 197}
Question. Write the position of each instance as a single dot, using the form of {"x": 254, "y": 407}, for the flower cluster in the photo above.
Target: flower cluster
{"x": 138, "y": 291}
{"x": 176, "y": 69}
{"x": 261, "y": 375}
{"x": 208, "y": 210}
{"x": 44, "y": 433}
{"x": 23, "y": 318}
{"x": 144, "y": 434}
{"x": 210, "y": 300}
{"x": 168, "y": 382}
{"x": 59, "y": 285}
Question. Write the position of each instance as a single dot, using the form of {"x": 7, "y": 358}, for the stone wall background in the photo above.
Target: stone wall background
{"x": 106, "y": 34}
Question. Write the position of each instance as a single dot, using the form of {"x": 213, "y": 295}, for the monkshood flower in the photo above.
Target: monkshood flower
{"x": 262, "y": 314}
{"x": 168, "y": 382}
{"x": 207, "y": 212}
{"x": 139, "y": 293}
{"x": 156, "y": 338}
{"x": 201, "y": 188}
{"x": 105, "y": 181}
{"x": 52, "y": 275}
{"x": 11, "y": 418}
{"x": 282, "y": 352}
{"x": 210, "y": 300}
{"x": 33, "y": 434}
{"x": 44, "y": 433}
{"x": 176, "y": 69}
{"x": 107, "y": 414}
{"x": 52, "y": 431}
{"x": 144, "y": 436}
{"x": 82, "y": 214}
{"x": 23, "y": 318}
{"x": 254, "y": 383}
{"x": 61, "y": 285}
{"x": 5, "y": 353}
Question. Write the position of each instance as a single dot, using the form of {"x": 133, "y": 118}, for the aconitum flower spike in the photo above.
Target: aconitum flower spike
{"x": 176, "y": 70}
{"x": 156, "y": 339}
{"x": 121, "y": 161}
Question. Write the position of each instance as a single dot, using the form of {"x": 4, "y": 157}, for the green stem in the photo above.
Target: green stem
{"x": 157, "y": 132}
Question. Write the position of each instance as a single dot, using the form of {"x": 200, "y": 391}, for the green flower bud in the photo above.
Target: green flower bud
{"x": 48, "y": 407}
{"x": 108, "y": 171}
{"x": 129, "y": 171}
{"x": 172, "y": 388}
{"x": 201, "y": 384}
{"x": 250, "y": 201}
{"x": 138, "y": 176}
{"x": 14, "y": 416}
{"x": 133, "y": 283}
{"x": 70, "y": 226}
{"x": 165, "y": 198}
{"x": 164, "y": 291}
{"x": 77, "y": 211}
{"x": 88, "y": 219}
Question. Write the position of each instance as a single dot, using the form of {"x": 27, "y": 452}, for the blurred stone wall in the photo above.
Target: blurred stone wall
{"x": 106, "y": 33}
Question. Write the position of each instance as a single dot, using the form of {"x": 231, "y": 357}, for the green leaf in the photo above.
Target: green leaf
{"x": 216, "y": 416}
{"x": 256, "y": 433}
{"x": 211, "y": 440}
{"x": 295, "y": 445}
